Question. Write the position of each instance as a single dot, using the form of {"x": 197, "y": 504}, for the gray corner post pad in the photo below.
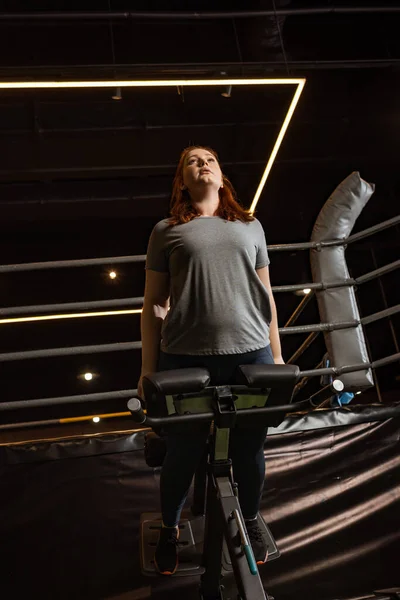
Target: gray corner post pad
{"x": 335, "y": 222}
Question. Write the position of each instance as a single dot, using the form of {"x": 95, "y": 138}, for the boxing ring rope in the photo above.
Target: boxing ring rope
{"x": 138, "y": 301}
{"x": 319, "y": 286}
{"x": 89, "y": 262}
{"x": 123, "y": 346}
{"x": 71, "y": 351}
{"x": 70, "y": 306}
{"x": 123, "y": 394}
{"x": 330, "y": 243}
{"x": 63, "y": 264}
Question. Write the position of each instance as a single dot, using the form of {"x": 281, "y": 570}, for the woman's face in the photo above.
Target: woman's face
{"x": 201, "y": 168}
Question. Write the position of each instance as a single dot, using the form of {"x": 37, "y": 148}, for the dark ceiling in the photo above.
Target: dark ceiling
{"x": 86, "y": 176}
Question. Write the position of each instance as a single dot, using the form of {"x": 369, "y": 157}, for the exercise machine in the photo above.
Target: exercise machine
{"x": 214, "y": 538}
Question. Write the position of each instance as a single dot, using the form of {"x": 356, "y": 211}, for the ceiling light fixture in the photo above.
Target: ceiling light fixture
{"x": 149, "y": 83}
{"x": 117, "y": 95}
{"x": 298, "y": 82}
{"x": 104, "y": 313}
{"x": 278, "y": 142}
{"x": 227, "y": 91}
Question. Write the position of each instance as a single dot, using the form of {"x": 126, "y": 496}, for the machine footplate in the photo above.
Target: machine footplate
{"x": 273, "y": 551}
{"x": 191, "y": 538}
{"x": 189, "y": 548}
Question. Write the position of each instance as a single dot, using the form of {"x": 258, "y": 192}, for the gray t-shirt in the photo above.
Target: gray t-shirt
{"x": 218, "y": 304}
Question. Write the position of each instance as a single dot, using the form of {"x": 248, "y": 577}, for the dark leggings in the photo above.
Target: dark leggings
{"x": 185, "y": 447}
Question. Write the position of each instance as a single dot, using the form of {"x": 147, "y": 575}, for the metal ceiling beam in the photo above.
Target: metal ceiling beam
{"x": 188, "y": 70}
{"x": 11, "y": 176}
{"x": 192, "y": 15}
{"x": 140, "y": 127}
{"x": 146, "y": 169}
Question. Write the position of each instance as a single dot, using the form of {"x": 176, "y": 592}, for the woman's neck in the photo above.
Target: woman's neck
{"x": 206, "y": 204}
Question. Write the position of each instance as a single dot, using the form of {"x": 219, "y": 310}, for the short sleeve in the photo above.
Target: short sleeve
{"x": 262, "y": 258}
{"x": 156, "y": 259}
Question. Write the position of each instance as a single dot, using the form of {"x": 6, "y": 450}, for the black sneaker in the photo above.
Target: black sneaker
{"x": 166, "y": 554}
{"x": 260, "y": 549}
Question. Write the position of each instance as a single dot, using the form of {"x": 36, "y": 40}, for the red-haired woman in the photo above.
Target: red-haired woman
{"x": 207, "y": 264}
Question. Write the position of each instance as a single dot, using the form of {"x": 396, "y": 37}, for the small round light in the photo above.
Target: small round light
{"x": 307, "y": 291}
{"x": 358, "y": 393}
{"x": 96, "y": 419}
{"x": 88, "y": 376}
{"x": 338, "y": 385}
{"x": 227, "y": 91}
{"x": 117, "y": 94}
{"x": 112, "y": 275}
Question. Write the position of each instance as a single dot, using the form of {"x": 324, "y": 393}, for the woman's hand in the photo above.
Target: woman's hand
{"x": 140, "y": 388}
{"x": 278, "y": 360}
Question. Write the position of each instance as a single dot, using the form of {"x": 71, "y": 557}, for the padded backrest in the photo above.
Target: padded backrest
{"x": 267, "y": 376}
{"x": 177, "y": 381}
{"x": 280, "y": 379}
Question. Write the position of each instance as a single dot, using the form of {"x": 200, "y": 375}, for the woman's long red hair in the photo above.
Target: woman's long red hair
{"x": 182, "y": 210}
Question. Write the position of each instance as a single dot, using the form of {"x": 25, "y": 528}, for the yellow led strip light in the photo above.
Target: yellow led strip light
{"x": 298, "y": 82}
{"x": 104, "y": 313}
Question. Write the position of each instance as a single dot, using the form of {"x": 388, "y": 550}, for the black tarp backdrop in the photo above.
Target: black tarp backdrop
{"x": 70, "y": 511}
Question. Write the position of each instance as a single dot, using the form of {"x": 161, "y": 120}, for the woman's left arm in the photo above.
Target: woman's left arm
{"x": 263, "y": 274}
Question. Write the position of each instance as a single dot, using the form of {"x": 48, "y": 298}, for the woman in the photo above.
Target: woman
{"x": 208, "y": 302}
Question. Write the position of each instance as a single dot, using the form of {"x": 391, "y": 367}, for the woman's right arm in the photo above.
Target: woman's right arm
{"x": 155, "y": 308}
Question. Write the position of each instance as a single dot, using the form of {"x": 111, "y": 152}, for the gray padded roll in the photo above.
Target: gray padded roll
{"x": 335, "y": 222}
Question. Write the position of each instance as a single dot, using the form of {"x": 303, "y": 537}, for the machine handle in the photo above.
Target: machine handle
{"x": 246, "y": 546}
{"x": 250, "y": 559}
{"x": 136, "y": 409}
